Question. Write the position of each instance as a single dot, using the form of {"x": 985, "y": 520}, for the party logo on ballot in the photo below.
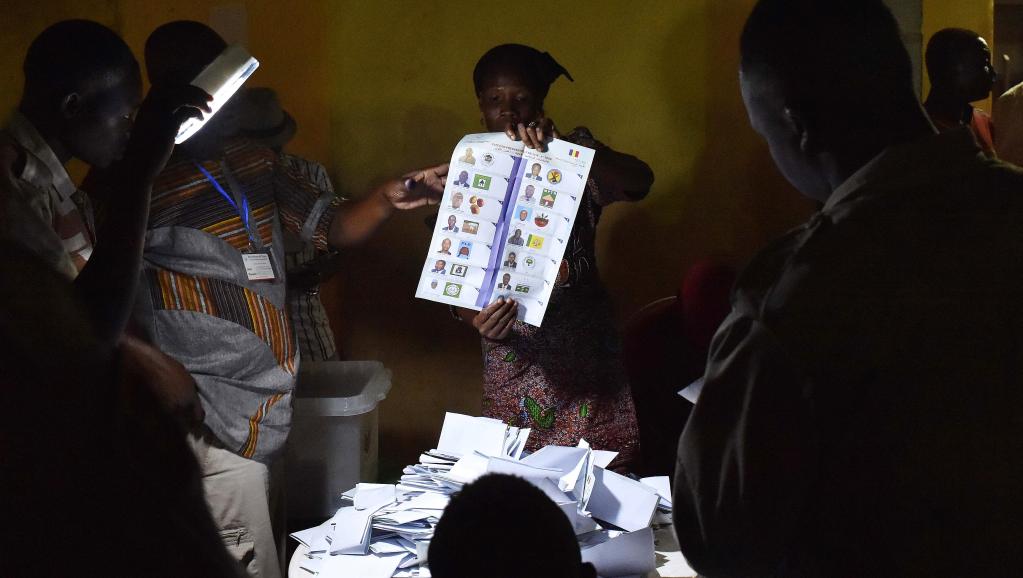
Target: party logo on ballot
{"x": 481, "y": 182}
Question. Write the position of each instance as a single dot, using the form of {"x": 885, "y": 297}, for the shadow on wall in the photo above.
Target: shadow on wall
{"x": 380, "y": 318}
{"x": 732, "y": 200}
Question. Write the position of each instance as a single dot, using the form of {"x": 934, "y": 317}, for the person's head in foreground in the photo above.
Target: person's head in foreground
{"x": 82, "y": 87}
{"x": 829, "y": 86}
{"x": 511, "y": 82}
{"x": 959, "y": 65}
{"x": 503, "y": 526}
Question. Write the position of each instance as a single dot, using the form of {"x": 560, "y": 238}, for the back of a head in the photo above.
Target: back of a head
{"x": 503, "y": 526}
{"x": 178, "y": 51}
{"x": 846, "y": 52}
{"x": 73, "y": 56}
{"x": 944, "y": 50}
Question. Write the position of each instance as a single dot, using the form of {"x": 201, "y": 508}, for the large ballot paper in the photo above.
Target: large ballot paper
{"x": 504, "y": 223}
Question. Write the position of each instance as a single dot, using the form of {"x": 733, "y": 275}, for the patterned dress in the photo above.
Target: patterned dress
{"x": 565, "y": 380}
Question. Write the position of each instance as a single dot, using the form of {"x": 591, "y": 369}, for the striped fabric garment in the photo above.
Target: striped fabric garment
{"x": 189, "y": 200}
{"x": 174, "y": 291}
{"x": 61, "y": 229}
{"x": 234, "y": 335}
{"x": 308, "y": 316}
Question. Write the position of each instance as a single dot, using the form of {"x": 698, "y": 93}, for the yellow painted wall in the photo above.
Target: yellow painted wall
{"x": 380, "y": 87}
{"x": 657, "y": 79}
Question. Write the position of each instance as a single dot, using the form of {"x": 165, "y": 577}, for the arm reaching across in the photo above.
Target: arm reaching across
{"x": 356, "y": 222}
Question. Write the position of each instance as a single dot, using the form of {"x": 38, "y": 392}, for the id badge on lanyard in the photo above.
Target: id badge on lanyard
{"x": 257, "y": 259}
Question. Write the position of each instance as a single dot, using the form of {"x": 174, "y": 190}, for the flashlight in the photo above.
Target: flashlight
{"x": 220, "y": 79}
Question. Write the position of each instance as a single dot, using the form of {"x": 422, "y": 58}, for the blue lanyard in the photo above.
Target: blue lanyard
{"x": 244, "y": 212}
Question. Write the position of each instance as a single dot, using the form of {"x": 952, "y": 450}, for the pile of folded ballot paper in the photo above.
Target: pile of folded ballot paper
{"x": 386, "y": 529}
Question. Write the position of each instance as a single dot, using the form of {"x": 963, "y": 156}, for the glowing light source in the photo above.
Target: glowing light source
{"x": 221, "y": 79}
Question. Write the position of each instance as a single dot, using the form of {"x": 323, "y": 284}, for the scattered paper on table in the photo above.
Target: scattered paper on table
{"x": 692, "y": 391}
{"x": 627, "y": 555}
{"x": 361, "y": 566}
{"x": 351, "y": 531}
{"x": 462, "y": 434}
{"x": 622, "y": 501}
{"x": 373, "y": 496}
{"x": 662, "y": 485}
{"x": 387, "y": 529}
{"x": 567, "y": 460}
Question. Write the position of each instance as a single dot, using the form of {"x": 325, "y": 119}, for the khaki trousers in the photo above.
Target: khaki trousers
{"x": 237, "y": 493}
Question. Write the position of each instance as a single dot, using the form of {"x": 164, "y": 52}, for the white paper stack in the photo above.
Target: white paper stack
{"x": 386, "y": 530}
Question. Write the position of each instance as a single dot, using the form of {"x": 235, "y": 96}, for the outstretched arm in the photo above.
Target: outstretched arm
{"x": 354, "y": 223}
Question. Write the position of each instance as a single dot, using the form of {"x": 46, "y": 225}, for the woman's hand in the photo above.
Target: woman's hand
{"x": 495, "y": 321}
{"x": 534, "y": 134}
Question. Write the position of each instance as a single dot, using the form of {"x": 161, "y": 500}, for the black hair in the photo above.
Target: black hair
{"x": 835, "y": 50}
{"x": 538, "y": 539}
{"x": 538, "y": 69}
{"x": 177, "y": 52}
{"x": 72, "y": 56}
{"x": 943, "y": 49}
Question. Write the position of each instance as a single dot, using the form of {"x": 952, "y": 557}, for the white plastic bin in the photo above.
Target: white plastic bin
{"x": 333, "y": 441}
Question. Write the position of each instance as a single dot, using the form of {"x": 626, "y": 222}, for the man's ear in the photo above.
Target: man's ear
{"x": 71, "y": 105}
{"x": 803, "y": 127}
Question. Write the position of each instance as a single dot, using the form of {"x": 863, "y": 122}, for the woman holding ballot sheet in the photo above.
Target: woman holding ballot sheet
{"x": 563, "y": 379}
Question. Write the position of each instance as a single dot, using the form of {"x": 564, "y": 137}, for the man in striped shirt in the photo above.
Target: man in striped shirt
{"x": 214, "y": 287}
